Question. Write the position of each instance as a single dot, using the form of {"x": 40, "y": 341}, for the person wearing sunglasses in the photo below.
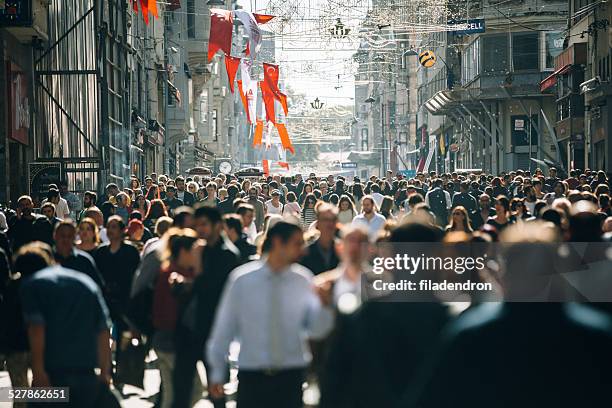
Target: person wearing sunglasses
{"x": 309, "y": 214}
{"x": 459, "y": 221}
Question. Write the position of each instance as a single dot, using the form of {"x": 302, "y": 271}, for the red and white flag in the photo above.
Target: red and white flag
{"x": 249, "y": 87}
{"x": 271, "y": 75}
{"x": 221, "y": 27}
{"x": 268, "y": 100}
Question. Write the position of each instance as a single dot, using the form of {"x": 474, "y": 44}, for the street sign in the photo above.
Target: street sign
{"x": 349, "y": 165}
{"x": 408, "y": 173}
{"x": 453, "y": 148}
{"x": 472, "y": 26}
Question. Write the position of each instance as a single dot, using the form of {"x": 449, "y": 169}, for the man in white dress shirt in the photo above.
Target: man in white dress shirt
{"x": 369, "y": 218}
{"x": 272, "y": 309}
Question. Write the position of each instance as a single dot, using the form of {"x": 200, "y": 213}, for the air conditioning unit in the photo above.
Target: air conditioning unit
{"x": 25, "y": 19}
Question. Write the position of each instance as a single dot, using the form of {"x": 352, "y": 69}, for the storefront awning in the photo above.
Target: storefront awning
{"x": 445, "y": 101}
{"x": 551, "y": 80}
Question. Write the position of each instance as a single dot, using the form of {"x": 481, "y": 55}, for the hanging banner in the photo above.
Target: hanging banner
{"x": 262, "y": 18}
{"x": 231, "y": 66}
{"x": 268, "y": 98}
{"x": 257, "y": 138}
{"x": 249, "y": 86}
{"x": 266, "y": 167}
{"x": 144, "y": 6}
{"x": 271, "y": 75}
{"x": 152, "y": 5}
{"x": 244, "y": 100}
{"x": 18, "y": 120}
{"x": 221, "y": 28}
{"x": 284, "y": 136}
{"x": 252, "y": 30}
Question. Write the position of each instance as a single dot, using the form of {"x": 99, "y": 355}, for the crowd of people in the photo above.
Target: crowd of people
{"x": 184, "y": 267}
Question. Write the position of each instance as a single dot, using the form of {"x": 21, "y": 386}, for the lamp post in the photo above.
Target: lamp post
{"x": 317, "y": 104}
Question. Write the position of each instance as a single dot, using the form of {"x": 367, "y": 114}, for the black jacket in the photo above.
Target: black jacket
{"x": 188, "y": 198}
{"x": 377, "y": 351}
{"x": 467, "y": 201}
{"x": 23, "y": 231}
{"x": 218, "y": 262}
{"x": 227, "y": 206}
{"x": 516, "y": 354}
{"x": 314, "y": 260}
{"x": 246, "y": 249}
{"x": 81, "y": 261}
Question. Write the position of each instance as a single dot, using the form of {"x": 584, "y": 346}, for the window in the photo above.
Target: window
{"x": 553, "y": 43}
{"x": 171, "y": 94}
{"x": 525, "y": 48}
{"x": 495, "y": 53}
{"x": 364, "y": 139}
{"x": 520, "y": 130}
{"x": 191, "y": 32}
{"x": 471, "y": 61}
{"x": 215, "y": 124}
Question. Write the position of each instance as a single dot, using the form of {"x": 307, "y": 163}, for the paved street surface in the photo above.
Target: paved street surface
{"x": 134, "y": 397}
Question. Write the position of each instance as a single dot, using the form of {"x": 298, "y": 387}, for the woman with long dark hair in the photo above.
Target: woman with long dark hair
{"x": 157, "y": 209}
{"x": 135, "y": 185}
{"x": 141, "y": 205}
{"x": 459, "y": 220}
{"x": 503, "y": 218}
{"x": 309, "y": 214}
{"x": 307, "y": 189}
{"x": 346, "y": 211}
{"x": 153, "y": 193}
{"x": 358, "y": 194}
{"x": 386, "y": 207}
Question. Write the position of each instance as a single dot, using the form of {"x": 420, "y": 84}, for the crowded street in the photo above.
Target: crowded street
{"x": 305, "y": 204}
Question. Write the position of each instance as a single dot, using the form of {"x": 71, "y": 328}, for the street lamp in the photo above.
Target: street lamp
{"x": 339, "y": 31}
{"x": 370, "y": 99}
{"x": 317, "y": 104}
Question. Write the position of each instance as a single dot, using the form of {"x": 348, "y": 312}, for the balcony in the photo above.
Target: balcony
{"x": 576, "y": 54}
{"x": 570, "y": 128}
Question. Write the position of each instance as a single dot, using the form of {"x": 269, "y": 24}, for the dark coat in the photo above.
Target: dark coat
{"x": 376, "y": 352}
{"x": 314, "y": 260}
{"x": 519, "y": 354}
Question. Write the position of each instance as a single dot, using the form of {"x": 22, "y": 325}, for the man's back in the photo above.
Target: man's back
{"x": 70, "y": 306}
{"x": 24, "y": 230}
{"x": 218, "y": 261}
{"x": 227, "y": 206}
{"x": 523, "y": 354}
{"x": 318, "y": 260}
{"x": 377, "y": 351}
{"x": 81, "y": 261}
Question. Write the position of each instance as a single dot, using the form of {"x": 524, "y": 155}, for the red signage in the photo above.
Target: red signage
{"x": 19, "y": 104}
